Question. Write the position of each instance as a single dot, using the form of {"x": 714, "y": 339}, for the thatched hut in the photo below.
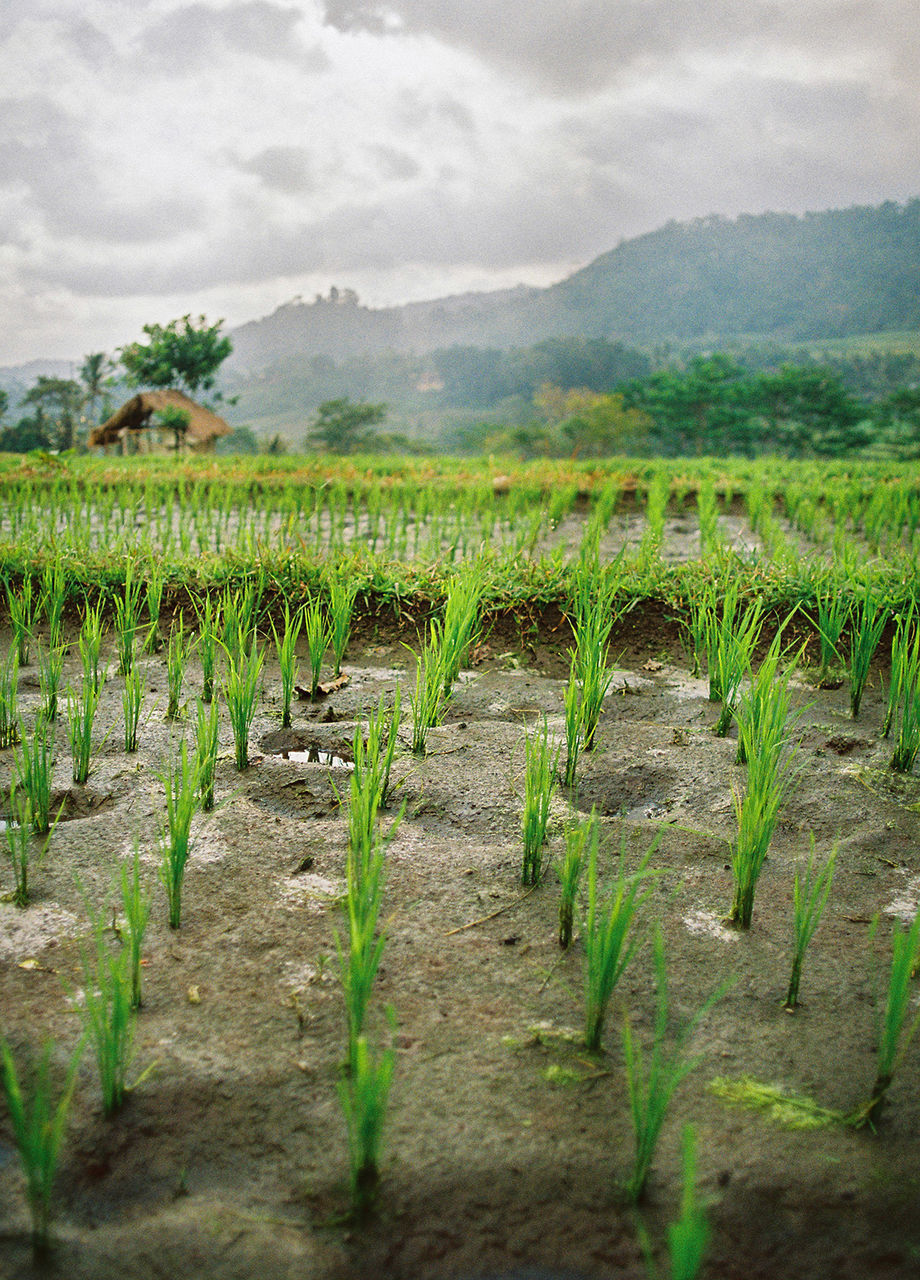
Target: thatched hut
{"x": 204, "y": 427}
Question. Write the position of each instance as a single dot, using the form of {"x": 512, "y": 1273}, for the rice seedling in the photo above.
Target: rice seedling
{"x": 609, "y": 935}
{"x": 81, "y": 716}
{"x": 897, "y": 1028}
{"x": 427, "y": 703}
{"x": 364, "y": 1096}
{"x": 316, "y": 631}
{"x": 731, "y": 645}
{"x": 833, "y": 615}
{"x": 770, "y": 775}
{"x": 181, "y": 783}
{"x": 154, "y": 584}
{"x": 177, "y": 655}
{"x": 109, "y": 1017}
{"x": 19, "y": 839}
{"x": 460, "y": 624}
{"x": 866, "y": 626}
{"x": 905, "y": 644}
{"x": 374, "y": 760}
{"x": 22, "y": 618}
{"x": 810, "y": 891}
{"x": 207, "y": 723}
{"x": 50, "y": 669}
{"x": 688, "y": 1236}
{"x": 539, "y": 780}
{"x": 132, "y": 701}
{"x": 652, "y": 1083}
{"x": 241, "y": 690}
{"x": 52, "y": 599}
{"x": 90, "y": 645}
{"x": 579, "y": 837}
{"x": 33, "y": 763}
{"x": 595, "y": 682}
{"x": 136, "y": 905}
{"x": 127, "y": 622}
{"x": 342, "y": 593}
{"x": 360, "y": 960}
{"x": 38, "y": 1119}
{"x": 286, "y": 645}
{"x": 763, "y": 714}
{"x": 207, "y": 646}
{"x": 573, "y": 726}
{"x": 9, "y": 701}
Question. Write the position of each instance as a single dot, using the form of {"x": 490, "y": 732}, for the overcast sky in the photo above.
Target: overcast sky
{"x": 159, "y": 157}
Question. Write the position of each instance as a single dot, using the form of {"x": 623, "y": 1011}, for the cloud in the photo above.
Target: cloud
{"x": 579, "y": 47}
{"x": 196, "y": 35}
{"x": 288, "y": 170}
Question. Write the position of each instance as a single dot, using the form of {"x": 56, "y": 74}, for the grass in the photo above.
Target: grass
{"x": 241, "y": 691}
{"x": 127, "y": 621}
{"x": 373, "y": 760}
{"x": 732, "y": 638}
{"x": 33, "y": 763}
{"x": 90, "y": 646}
{"x": 652, "y": 1081}
{"x": 364, "y": 1095}
{"x": 21, "y": 607}
{"x": 610, "y": 935}
{"x": 360, "y": 954}
{"x": 132, "y": 701}
{"x": 181, "y": 783}
{"x": 427, "y": 702}
{"x": 342, "y": 592}
{"x": 579, "y": 838}
{"x": 136, "y": 906}
{"x": 108, "y": 1014}
{"x": 810, "y": 892}
{"x": 19, "y": 839}
{"x": 316, "y": 631}
{"x": 286, "y": 645}
{"x": 81, "y": 717}
{"x": 9, "y": 701}
{"x": 688, "y": 1236}
{"x": 460, "y": 624}
{"x": 207, "y": 646}
{"x": 177, "y": 655}
{"x": 770, "y": 775}
{"x": 50, "y": 669}
{"x": 833, "y": 615}
{"x": 38, "y": 1119}
{"x": 866, "y": 627}
{"x": 898, "y": 1023}
{"x": 207, "y": 724}
{"x": 539, "y": 782}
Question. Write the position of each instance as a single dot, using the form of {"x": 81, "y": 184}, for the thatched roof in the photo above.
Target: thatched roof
{"x": 134, "y": 415}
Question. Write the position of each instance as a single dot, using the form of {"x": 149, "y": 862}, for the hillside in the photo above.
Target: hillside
{"x": 822, "y": 275}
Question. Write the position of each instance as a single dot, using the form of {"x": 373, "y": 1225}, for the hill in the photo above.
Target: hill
{"x": 785, "y": 277}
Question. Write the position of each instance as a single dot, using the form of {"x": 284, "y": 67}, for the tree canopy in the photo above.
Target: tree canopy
{"x": 184, "y": 354}
{"x": 344, "y": 427}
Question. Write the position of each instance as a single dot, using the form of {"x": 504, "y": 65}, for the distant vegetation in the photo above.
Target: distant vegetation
{"x": 798, "y": 335}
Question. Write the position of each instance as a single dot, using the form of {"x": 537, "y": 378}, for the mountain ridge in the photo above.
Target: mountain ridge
{"x": 829, "y": 273}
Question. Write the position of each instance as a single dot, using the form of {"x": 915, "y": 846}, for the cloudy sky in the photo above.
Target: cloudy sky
{"x": 159, "y": 157}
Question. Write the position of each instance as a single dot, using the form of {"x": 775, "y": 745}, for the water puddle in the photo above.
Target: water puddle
{"x": 316, "y": 755}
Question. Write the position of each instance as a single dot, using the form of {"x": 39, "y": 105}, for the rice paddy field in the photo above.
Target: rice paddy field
{"x": 425, "y": 868}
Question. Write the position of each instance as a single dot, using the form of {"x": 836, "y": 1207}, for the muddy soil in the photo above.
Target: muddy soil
{"x": 507, "y": 1144}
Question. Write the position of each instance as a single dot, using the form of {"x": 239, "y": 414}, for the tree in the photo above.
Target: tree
{"x": 240, "y": 440}
{"x": 184, "y": 354}
{"x": 57, "y": 402}
{"x": 95, "y": 375}
{"x": 810, "y": 413}
{"x": 176, "y": 421}
{"x": 344, "y": 427}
